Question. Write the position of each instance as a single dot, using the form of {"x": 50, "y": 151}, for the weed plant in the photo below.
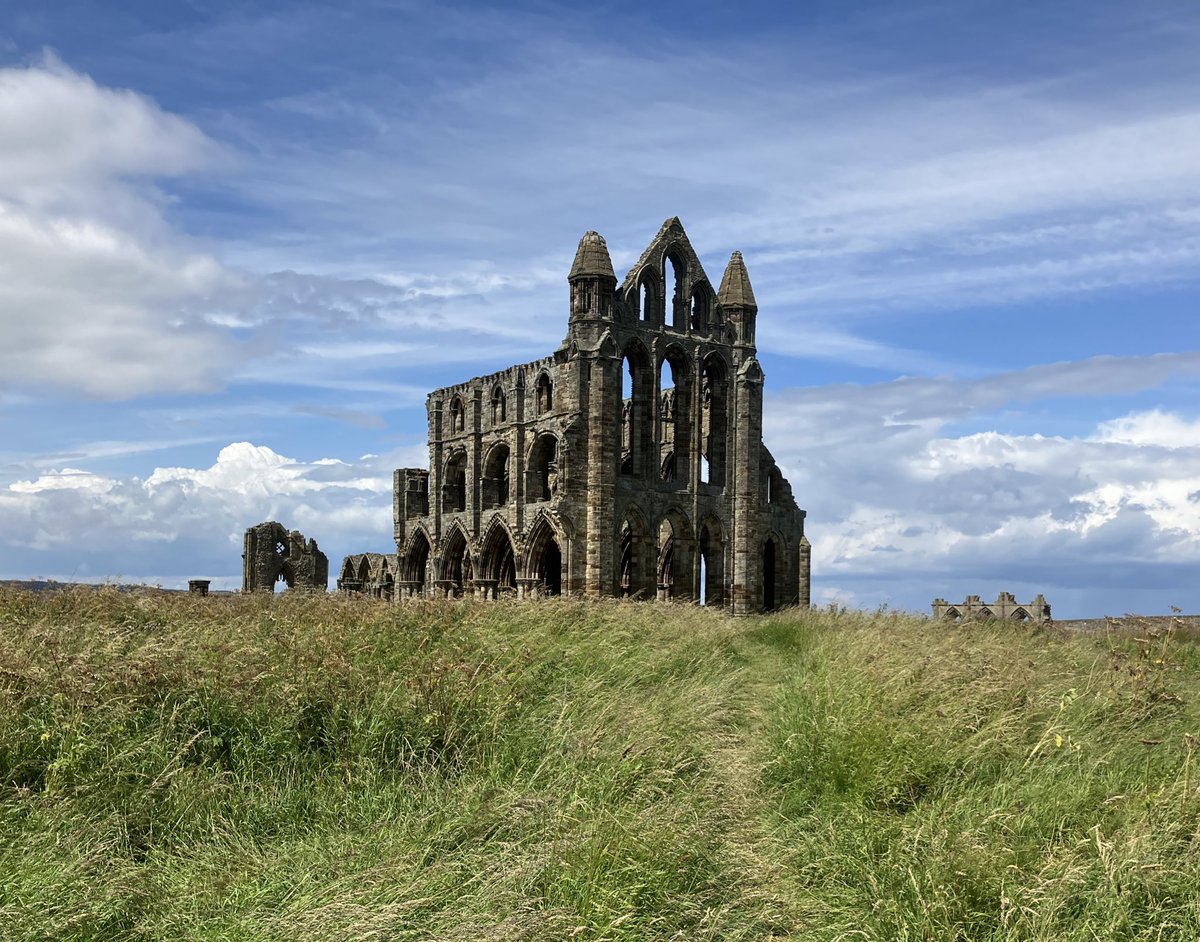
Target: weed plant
{"x": 323, "y": 768}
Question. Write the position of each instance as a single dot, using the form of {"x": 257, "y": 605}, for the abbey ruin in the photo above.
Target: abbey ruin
{"x": 270, "y": 554}
{"x": 629, "y": 462}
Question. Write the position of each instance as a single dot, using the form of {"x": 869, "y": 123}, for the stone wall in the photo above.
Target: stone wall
{"x": 272, "y": 554}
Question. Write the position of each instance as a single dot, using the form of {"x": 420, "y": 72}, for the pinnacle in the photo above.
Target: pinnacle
{"x": 591, "y": 258}
{"x": 735, "y": 285}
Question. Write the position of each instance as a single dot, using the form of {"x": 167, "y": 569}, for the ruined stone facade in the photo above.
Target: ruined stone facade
{"x": 630, "y": 462}
{"x": 368, "y": 574}
{"x": 271, "y": 553}
{"x": 1006, "y": 607}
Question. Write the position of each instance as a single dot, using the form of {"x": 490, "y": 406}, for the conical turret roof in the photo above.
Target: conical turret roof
{"x": 735, "y": 285}
{"x": 591, "y": 258}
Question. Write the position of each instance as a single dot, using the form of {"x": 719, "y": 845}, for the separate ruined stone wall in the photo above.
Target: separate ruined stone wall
{"x": 1006, "y": 607}
{"x": 272, "y": 554}
{"x": 372, "y": 574}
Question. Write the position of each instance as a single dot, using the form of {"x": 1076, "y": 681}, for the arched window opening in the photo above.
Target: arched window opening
{"x": 496, "y": 477}
{"x": 713, "y": 417}
{"x": 499, "y": 406}
{"x": 543, "y": 470}
{"x": 550, "y": 568}
{"x": 625, "y": 579}
{"x": 712, "y": 562}
{"x": 628, "y": 436}
{"x": 768, "y": 575}
{"x": 674, "y": 417}
{"x": 774, "y": 485}
{"x": 457, "y": 415}
{"x": 674, "y": 272}
{"x": 699, "y": 314}
{"x": 666, "y": 422}
{"x": 454, "y": 486}
{"x": 637, "y": 408}
{"x": 544, "y": 394}
{"x": 650, "y": 296}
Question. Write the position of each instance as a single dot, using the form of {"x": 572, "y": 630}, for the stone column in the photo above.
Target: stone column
{"x": 805, "y": 573}
{"x": 603, "y": 455}
{"x": 746, "y": 475}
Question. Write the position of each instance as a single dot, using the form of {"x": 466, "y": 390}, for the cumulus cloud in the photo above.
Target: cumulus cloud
{"x": 94, "y": 282}
{"x": 904, "y": 508}
{"x": 74, "y": 523}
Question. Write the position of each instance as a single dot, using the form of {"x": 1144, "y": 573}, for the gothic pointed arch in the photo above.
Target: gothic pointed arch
{"x": 457, "y": 573}
{"x": 497, "y": 559}
{"x": 637, "y": 407}
{"x": 635, "y": 555}
{"x": 675, "y": 287}
{"x": 454, "y": 482}
{"x": 673, "y": 569}
{"x": 773, "y": 570}
{"x": 415, "y": 561}
{"x": 674, "y": 414}
{"x": 713, "y": 433}
{"x": 545, "y": 553}
{"x": 496, "y": 486}
{"x": 543, "y": 468}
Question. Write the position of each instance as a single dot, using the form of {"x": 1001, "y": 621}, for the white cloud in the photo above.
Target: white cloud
{"x": 900, "y": 507}
{"x": 1151, "y": 428}
{"x": 94, "y": 282}
{"x": 179, "y": 520}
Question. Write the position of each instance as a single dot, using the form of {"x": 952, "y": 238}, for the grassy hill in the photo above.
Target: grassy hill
{"x": 315, "y": 768}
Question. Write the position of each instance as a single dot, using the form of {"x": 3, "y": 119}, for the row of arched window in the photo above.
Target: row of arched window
{"x": 542, "y": 475}
{"x": 664, "y": 426}
{"x": 543, "y": 402}
{"x": 496, "y": 567}
{"x": 661, "y": 296}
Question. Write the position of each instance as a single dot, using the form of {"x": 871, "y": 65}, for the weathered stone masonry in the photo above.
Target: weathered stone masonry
{"x": 630, "y": 462}
{"x": 272, "y": 554}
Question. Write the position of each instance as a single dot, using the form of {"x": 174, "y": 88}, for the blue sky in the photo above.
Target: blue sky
{"x": 240, "y": 242}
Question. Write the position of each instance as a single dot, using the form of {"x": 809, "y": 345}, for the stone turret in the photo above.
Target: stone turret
{"x": 592, "y": 279}
{"x": 736, "y": 298}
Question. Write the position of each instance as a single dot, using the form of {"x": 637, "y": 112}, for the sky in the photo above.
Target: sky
{"x": 240, "y": 242}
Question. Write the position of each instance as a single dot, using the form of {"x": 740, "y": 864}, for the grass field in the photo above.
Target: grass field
{"x": 231, "y": 768}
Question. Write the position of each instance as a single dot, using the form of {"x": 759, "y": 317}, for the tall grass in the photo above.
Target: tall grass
{"x": 317, "y": 768}
{"x": 986, "y": 781}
